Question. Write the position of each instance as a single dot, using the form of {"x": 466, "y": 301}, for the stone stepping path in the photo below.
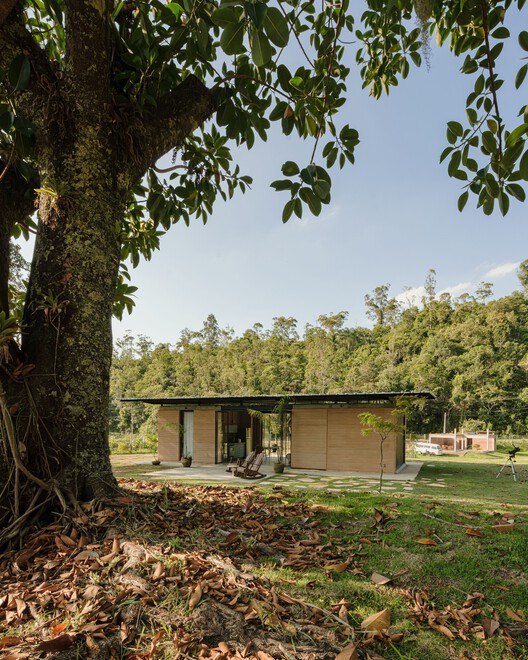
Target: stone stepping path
{"x": 351, "y": 485}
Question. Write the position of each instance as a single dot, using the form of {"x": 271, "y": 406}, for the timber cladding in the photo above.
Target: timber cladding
{"x": 308, "y": 444}
{"x": 331, "y": 439}
{"x": 204, "y": 436}
{"x": 169, "y": 434}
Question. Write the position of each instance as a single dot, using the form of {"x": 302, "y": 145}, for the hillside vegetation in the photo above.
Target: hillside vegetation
{"x": 470, "y": 352}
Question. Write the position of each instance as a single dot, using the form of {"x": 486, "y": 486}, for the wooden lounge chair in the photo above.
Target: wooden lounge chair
{"x": 242, "y": 463}
{"x": 251, "y": 471}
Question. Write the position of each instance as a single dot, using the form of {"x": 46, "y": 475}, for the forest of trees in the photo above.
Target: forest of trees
{"x": 470, "y": 352}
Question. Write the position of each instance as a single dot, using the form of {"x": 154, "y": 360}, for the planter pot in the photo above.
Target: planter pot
{"x": 278, "y": 468}
{"x": 186, "y": 461}
{"x": 156, "y": 462}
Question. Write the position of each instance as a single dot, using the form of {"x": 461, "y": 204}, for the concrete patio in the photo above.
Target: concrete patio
{"x": 218, "y": 473}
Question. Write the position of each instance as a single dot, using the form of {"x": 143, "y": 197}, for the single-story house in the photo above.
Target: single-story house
{"x": 463, "y": 441}
{"x": 322, "y": 431}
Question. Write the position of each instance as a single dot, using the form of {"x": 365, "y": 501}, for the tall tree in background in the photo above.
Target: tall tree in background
{"x": 94, "y": 93}
{"x": 380, "y": 308}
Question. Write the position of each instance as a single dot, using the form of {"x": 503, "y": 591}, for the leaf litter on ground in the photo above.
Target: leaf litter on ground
{"x": 168, "y": 569}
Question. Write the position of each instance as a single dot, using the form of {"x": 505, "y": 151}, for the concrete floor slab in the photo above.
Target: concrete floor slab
{"x": 218, "y": 473}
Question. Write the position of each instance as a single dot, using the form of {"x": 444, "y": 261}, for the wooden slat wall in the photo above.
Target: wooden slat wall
{"x": 169, "y": 434}
{"x": 204, "y": 436}
{"x": 349, "y": 450}
{"x": 308, "y": 444}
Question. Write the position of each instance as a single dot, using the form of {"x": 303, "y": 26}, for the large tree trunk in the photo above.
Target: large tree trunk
{"x": 68, "y": 315}
{"x": 90, "y": 149}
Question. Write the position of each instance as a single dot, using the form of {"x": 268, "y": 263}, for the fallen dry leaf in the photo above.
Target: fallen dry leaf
{"x": 6, "y": 642}
{"x": 337, "y": 568}
{"x": 59, "y": 628}
{"x": 61, "y": 643}
{"x": 262, "y": 655}
{"x": 516, "y": 616}
{"x": 195, "y": 597}
{"x": 441, "y": 629}
{"x": 473, "y": 532}
{"x": 490, "y": 626}
{"x": 426, "y": 542}
{"x": 348, "y": 653}
{"x": 377, "y": 622}
{"x": 378, "y": 578}
{"x": 503, "y": 528}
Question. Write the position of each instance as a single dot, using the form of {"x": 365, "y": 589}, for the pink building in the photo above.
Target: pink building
{"x": 462, "y": 441}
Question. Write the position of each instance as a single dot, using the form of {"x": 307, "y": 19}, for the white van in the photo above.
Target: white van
{"x": 428, "y": 448}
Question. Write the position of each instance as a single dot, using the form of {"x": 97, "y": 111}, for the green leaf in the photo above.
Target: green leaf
{"x": 501, "y": 33}
{"x": 175, "y": 8}
{"x": 488, "y": 205}
{"x": 454, "y": 162}
{"x": 456, "y": 128}
{"x": 308, "y": 175}
{"x": 521, "y": 75}
{"x": 261, "y": 51}
{"x": 523, "y": 166}
{"x": 462, "y": 200}
{"x": 314, "y": 203}
{"x": 278, "y": 111}
{"x": 297, "y": 82}
{"x": 445, "y": 153}
{"x": 523, "y": 40}
{"x": 479, "y": 84}
{"x": 276, "y": 27}
{"x": 232, "y": 38}
{"x": 492, "y": 125}
{"x": 516, "y": 134}
{"x": 297, "y": 207}
{"x": 290, "y": 168}
{"x": 322, "y": 189}
{"x": 256, "y": 12}
{"x": 224, "y": 16}
{"x": 504, "y": 202}
{"x": 517, "y": 191}
{"x": 19, "y": 73}
{"x": 489, "y": 142}
{"x": 288, "y": 210}
{"x": 281, "y": 184}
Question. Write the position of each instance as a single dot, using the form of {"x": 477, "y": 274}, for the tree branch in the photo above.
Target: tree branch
{"x": 6, "y": 7}
{"x": 88, "y": 31}
{"x": 176, "y": 116}
{"x": 32, "y": 102}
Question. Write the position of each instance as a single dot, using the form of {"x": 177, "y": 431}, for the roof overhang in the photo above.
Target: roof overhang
{"x": 268, "y": 402}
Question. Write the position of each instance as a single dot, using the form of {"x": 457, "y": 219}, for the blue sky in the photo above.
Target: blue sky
{"x": 393, "y": 216}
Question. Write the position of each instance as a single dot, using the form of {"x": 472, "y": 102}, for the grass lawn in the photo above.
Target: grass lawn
{"x": 461, "y": 531}
{"x": 436, "y": 573}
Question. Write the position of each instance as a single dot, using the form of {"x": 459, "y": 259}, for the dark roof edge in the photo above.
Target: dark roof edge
{"x": 246, "y": 399}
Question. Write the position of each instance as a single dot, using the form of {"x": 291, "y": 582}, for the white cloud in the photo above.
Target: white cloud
{"x": 501, "y": 271}
{"x": 411, "y": 297}
{"x": 457, "y": 288}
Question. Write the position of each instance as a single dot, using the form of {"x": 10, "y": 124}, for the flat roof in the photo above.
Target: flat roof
{"x": 267, "y": 402}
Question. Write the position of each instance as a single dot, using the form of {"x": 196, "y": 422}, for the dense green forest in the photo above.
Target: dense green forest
{"x": 470, "y": 352}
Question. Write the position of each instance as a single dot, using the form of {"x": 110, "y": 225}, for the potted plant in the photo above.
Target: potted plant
{"x": 156, "y": 460}
{"x": 280, "y": 411}
{"x": 278, "y": 467}
{"x": 186, "y": 457}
